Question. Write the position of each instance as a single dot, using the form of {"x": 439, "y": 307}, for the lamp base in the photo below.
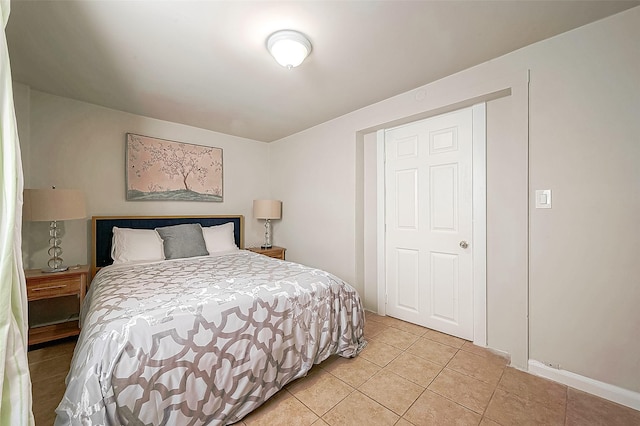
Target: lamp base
{"x": 51, "y": 270}
{"x": 267, "y": 235}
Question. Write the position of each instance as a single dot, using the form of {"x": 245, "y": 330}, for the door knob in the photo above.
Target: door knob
{"x": 464, "y": 244}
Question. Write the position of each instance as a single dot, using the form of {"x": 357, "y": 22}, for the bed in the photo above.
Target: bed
{"x": 198, "y": 339}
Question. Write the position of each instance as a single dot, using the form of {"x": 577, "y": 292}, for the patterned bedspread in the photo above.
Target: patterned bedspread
{"x": 203, "y": 340}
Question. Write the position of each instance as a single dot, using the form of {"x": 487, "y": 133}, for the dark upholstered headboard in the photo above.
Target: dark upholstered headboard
{"x": 102, "y": 234}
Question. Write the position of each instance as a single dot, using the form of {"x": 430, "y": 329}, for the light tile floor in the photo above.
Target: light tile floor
{"x": 410, "y": 375}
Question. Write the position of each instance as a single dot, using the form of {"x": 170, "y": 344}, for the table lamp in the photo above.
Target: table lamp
{"x": 267, "y": 210}
{"x": 53, "y": 205}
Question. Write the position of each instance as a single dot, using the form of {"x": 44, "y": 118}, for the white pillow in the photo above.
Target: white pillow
{"x": 134, "y": 245}
{"x": 219, "y": 238}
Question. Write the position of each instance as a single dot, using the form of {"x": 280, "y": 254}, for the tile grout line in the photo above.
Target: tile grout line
{"x": 402, "y": 351}
{"x": 449, "y": 399}
{"x": 353, "y": 389}
{"x": 491, "y": 398}
{"x": 461, "y": 348}
{"x": 458, "y": 349}
{"x": 566, "y": 405}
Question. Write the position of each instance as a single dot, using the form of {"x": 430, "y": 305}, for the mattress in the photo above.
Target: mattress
{"x": 203, "y": 340}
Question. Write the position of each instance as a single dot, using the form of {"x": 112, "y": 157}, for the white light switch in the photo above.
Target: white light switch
{"x": 543, "y": 198}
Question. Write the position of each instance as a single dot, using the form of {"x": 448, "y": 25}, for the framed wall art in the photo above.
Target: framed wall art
{"x": 158, "y": 169}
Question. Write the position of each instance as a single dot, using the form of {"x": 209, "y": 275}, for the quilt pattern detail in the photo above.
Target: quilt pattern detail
{"x": 203, "y": 340}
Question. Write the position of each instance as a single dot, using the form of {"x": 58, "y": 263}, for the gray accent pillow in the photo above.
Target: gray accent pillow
{"x": 182, "y": 241}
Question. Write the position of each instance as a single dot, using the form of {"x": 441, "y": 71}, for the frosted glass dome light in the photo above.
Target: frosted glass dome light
{"x": 289, "y": 48}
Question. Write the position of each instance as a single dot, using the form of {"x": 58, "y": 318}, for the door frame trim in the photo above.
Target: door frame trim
{"x": 479, "y": 197}
{"x": 479, "y": 208}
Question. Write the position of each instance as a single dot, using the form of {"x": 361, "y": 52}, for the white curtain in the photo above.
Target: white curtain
{"x": 15, "y": 405}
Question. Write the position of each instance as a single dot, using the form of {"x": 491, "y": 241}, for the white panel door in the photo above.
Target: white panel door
{"x": 428, "y": 210}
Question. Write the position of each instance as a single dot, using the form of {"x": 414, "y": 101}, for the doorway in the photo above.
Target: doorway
{"x": 432, "y": 258}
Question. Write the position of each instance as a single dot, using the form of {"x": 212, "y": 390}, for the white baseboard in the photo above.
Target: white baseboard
{"x": 604, "y": 390}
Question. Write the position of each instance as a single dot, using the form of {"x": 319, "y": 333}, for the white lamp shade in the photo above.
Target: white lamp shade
{"x": 46, "y": 205}
{"x": 289, "y": 48}
{"x": 267, "y": 209}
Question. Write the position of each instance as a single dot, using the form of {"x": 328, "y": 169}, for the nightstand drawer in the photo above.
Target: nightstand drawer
{"x": 52, "y": 287}
{"x": 275, "y": 251}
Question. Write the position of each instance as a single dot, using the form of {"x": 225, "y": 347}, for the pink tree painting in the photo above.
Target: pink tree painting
{"x": 158, "y": 169}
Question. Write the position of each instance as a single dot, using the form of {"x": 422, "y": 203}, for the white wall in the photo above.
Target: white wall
{"x": 370, "y": 222}
{"x": 570, "y": 268}
{"x": 73, "y": 144}
{"x": 585, "y": 147}
{"x": 507, "y": 232}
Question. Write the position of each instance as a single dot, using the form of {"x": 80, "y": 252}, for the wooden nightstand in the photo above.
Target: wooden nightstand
{"x": 42, "y": 286}
{"x": 275, "y": 251}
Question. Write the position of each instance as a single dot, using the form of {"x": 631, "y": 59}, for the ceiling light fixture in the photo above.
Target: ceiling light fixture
{"x": 288, "y": 47}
